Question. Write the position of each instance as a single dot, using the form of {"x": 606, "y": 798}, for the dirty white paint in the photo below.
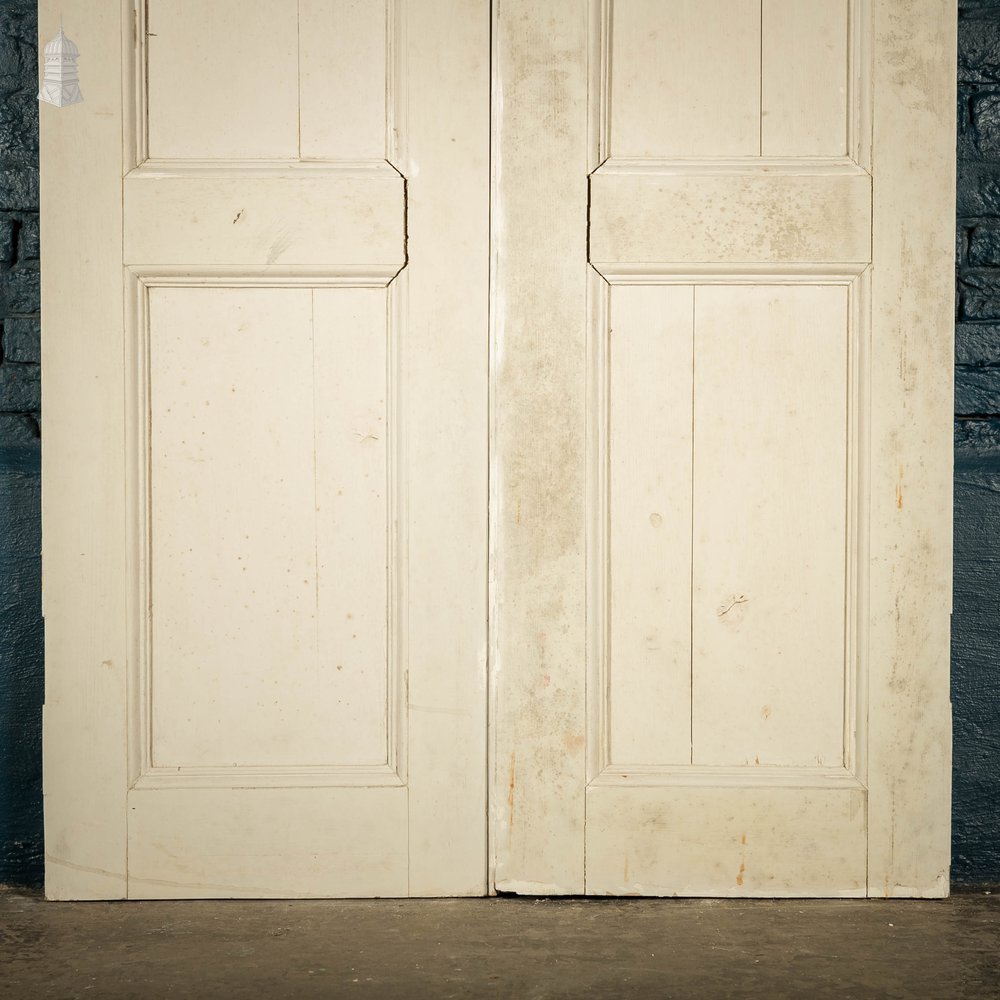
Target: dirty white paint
{"x": 267, "y": 612}
{"x": 765, "y": 682}
{"x": 719, "y": 449}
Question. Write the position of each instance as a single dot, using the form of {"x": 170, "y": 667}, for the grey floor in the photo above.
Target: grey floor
{"x": 521, "y": 948}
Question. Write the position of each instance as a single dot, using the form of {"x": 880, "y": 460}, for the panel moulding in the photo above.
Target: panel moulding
{"x": 135, "y": 91}
{"x": 601, "y": 770}
{"x": 142, "y": 771}
{"x": 858, "y": 98}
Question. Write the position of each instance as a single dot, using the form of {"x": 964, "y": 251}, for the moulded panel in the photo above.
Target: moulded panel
{"x": 649, "y": 524}
{"x": 685, "y": 78}
{"x": 734, "y": 218}
{"x": 223, "y": 79}
{"x": 343, "y": 98}
{"x": 352, "y": 448}
{"x": 726, "y": 841}
{"x": 237, "y": 843}
{"x": 307, "y": 216}
{"x": 770, "y": 525}
{"x": 804, "y": 69}
{"x": 267, "y": 508}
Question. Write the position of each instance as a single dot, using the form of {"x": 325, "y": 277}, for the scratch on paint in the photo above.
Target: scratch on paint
{"x": 725, "y": 609}
{"x": 511, "y": 785}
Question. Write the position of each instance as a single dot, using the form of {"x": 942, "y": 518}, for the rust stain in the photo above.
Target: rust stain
{"x": 511, "y": 785}
{"x": 899, "y": 490}
{"x": 517, "y": 513}
{"x": 574, "y": 741}
{"x": 765, "y": 712}
{"x": 739, "y": 875}
{"x": 625, "y": 879}
{"x": 743, "y": 840}
{"x": 756, "y": 760}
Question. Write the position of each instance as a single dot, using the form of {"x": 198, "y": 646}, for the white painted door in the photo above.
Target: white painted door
{"x": 722, "y": 446}
{"x": 265, "y": 511}
{"x": 719, "y": 312}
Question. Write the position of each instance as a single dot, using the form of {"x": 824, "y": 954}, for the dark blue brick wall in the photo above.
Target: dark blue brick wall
{"x": 976, "y": 624}
{"x": 975, "y": 657}
{"x": 20, "y": 497}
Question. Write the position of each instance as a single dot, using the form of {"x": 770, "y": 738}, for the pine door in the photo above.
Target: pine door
{"x": 498, "y": 448}
{"x": 722, "y": 446}
{"x": 266, "y": 554}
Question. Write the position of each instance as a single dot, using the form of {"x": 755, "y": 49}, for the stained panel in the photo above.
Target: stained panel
{"x": 649, "y": 514}
{"x": 804, "y": 78}
{"x": 267, "y": 79}
{"x": 685, "y": 78}
{"x": 342, "y": 112}
{"x": 267, "y": 512}
{"x": 222, "y": 79}
{"x": 769, "y": 546}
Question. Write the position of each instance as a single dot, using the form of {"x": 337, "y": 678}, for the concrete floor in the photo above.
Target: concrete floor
{"x": 518, "y": 948}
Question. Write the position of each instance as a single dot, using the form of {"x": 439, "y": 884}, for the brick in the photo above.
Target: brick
{"x": 22, "y": 340}
{"x": 18, "y": 186}
{"x": 984, "y": 246}
{"x": 979, "y": 296}
{"x": 7, "y": 230}
{"x": 978, "y": 189}
{"x": 27, "y": 239}
{"x": 979, "y": 43}
{"x": 985, "y": 114}
{"x": 977, "y": 437}
{"x": 20, "y": 291}
{"x": 977, "y": 390}
{"x": 19, "y": 122}
{"x": 977, "y": 343}
{"x": 966, "y": 137}
{"x": 19, "y": 20}
{"x": 11, "y": 64}
{"x": 17, "y": 429}
{"x": 20, "y": 388}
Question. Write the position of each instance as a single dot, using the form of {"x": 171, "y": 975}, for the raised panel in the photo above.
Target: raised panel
{"x": 770, "y": 525}
{"x": 685, "y": 78}
{"x": 268, "y": 79}
{"x": 313, "y": 216}
{"x": 267, "y": 528}
{"x": 222, "y": 79}
{"x": 272, "y": 843}
{"x": 649, "y": 429}
{"x": 729, "y": 217}
{"x": 342, "y": 113}
{"x": 727, "y": 79}
{"x": 726, "y": 841}
{"x": 804, "y": 76}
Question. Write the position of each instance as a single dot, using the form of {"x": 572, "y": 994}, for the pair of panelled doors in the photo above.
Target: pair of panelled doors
{"x": 498, "y": 448}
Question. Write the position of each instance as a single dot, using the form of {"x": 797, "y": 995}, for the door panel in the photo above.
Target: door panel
{"x": 268, "y": 529}
{"x": 293, "y": 263}
{"x": 770, "y": 680}
{"x": 698, "y": 632}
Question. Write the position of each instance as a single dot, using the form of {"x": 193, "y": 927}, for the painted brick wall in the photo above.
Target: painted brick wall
{"x": 976, "y": 625}
{"x": 20, "y": 499}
